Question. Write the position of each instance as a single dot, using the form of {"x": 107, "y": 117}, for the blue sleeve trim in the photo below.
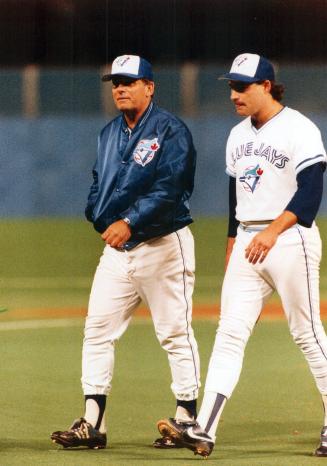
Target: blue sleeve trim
{"x": 306, "y": 200}
{"x": 309, "y": 160}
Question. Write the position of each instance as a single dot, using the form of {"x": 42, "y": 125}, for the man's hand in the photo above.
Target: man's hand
{"x": 117, "y": 234}
{"x": 261, "y": 244}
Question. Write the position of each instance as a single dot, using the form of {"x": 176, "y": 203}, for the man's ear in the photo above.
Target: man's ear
{"x": 267, "y": 85}
{"x": 149, "y": 88}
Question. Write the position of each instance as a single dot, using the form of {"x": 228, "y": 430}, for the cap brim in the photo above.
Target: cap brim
{"x": 108, "y": 77}
{"x": 238, "y": 77}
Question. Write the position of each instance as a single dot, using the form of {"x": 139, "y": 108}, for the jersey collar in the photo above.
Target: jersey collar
{"x": 267, "y": 122}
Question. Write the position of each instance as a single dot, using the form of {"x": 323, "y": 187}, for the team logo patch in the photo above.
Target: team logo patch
{"x": 145, "y": 151}
{"x": 251, "y": 178}
{"x": 120, "y": 61}
{"x": 240, "y": 60}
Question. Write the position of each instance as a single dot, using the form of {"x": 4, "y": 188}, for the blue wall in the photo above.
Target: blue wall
{"x": 46, "y": 164}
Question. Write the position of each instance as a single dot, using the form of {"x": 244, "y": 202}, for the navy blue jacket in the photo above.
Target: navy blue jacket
{"x": 145, "y": 174}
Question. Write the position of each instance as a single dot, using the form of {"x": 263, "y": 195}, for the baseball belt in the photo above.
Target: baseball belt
{"x": 255, "y": 222}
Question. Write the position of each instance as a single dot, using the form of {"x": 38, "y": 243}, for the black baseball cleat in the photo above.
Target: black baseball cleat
{"x": 80, "y": 434}
{"x": 165, "y": 443}
{"x": 322, "y": 449}
{"x": 173, "y": 429}
{"x": 197, "y": 440}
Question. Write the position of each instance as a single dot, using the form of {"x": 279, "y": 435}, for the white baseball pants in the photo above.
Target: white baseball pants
{"x": 292, "y": 269}
{"x": 161, "y": 273}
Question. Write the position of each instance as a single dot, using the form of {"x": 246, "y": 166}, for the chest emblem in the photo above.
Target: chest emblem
{"x": 145, "y": 150}
{"x": 251, "y": 178}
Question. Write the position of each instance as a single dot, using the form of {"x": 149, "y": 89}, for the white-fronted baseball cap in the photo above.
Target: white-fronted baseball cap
{"x": 250, "y": 68}
{"x": 131, "y": 66}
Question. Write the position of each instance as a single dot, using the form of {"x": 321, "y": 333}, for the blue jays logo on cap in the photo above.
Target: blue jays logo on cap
{"x": 120, "y": 61}
{"x": 251, "y": 178}
{"x": 131, "y": 66}
{"x": 250, "y": 68}
{"x": 240, "y": 60}
{"x": 145, "y": 151}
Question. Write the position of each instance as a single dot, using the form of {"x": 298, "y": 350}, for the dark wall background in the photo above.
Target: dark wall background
{"x": 51, "y": 114}
{"x": 92, "y": 32}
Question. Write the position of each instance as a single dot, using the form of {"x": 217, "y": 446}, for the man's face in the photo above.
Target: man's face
{"x": 249, "y": 99}
{"x": 131, "y": 95}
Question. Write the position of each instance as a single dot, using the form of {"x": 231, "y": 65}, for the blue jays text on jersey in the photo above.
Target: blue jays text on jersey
{"x": 267, "y": 152}
{"x": 145, "y": 174}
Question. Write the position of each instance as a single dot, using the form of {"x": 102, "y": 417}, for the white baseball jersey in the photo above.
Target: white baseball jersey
{"x": 266, "y": 161}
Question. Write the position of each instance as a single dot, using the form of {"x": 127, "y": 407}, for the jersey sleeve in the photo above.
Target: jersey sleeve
{"x": 230, "y": 160}
{"x": 306, "y": 200}
{"x": 233, "y": 223}
{"x": 308, "y": 146}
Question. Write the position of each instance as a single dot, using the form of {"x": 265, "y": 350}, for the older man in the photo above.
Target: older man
{"x": 139, "y": 203}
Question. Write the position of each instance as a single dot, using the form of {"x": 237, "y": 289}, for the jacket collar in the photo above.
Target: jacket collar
{"x": 141, "y": 121}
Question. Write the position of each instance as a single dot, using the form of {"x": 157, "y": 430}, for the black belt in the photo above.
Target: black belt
{"x": 256, "y": 222}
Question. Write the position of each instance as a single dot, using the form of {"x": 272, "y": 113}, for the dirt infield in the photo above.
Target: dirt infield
{"x": 201, "y": 311}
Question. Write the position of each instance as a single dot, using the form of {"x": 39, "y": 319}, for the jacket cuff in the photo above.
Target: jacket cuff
{"x": 130, "y": 217}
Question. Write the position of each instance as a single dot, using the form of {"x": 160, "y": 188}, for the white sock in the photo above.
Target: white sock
{"x": 324, "y": 400}
{"x": 183, "y": 415}
{"x": 211, "y": 408}
{"x": 92, "y": 412}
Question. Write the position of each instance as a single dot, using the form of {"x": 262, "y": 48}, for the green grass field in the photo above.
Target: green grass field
{"x": 50, "y": 263}
{"x": 273, "y": 418}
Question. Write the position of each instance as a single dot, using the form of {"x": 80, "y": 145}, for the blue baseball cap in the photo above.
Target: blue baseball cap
{"x": 250, "y": 68}
{"x": 131, "y": 66}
